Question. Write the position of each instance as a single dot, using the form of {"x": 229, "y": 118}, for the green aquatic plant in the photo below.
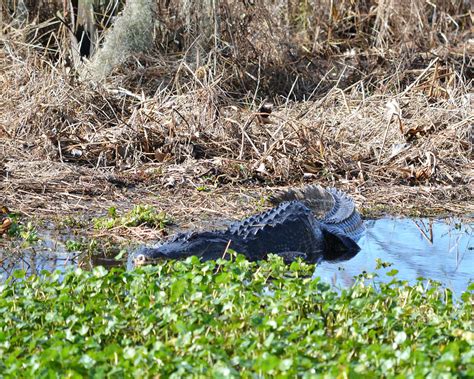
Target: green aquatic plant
{"x": 28, "y": 232}
{"x": 71, "y": 222}
{"x": 139, "y": 215}
{"x": 83, "y": 245}
{"x": 230, "y": 319}
{"x": 73, "y": 245}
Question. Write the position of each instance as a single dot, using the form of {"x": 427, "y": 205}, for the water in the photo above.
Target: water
{"x": 49, "y": 254}
{"x": 442, "y": 250}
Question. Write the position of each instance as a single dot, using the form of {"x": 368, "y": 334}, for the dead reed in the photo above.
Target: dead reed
{"x": 372, "y": 96}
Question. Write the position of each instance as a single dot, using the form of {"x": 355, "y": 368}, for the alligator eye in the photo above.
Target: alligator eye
{"x": 139, "y": 260}
{"x": 178, "y": 237}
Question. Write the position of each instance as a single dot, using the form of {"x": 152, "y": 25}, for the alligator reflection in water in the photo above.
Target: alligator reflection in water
{"x": 442, "y": 250}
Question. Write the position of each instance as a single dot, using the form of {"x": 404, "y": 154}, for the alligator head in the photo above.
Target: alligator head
{"x": 206, "y": 245}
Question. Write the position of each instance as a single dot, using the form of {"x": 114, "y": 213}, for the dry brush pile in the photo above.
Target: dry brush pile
{"x": 370, "y": 95}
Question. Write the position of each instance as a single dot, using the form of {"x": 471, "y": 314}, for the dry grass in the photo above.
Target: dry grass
{"x": 375, "y": 98}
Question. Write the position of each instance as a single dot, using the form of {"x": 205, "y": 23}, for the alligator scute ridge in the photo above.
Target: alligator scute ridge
{"x": 311, "y": 223}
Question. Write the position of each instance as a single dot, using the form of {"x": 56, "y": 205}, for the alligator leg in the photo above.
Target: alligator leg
{"x": 291, "y": 256}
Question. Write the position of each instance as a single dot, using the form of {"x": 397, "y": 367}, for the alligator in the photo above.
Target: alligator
{"x": 311, "y": 223}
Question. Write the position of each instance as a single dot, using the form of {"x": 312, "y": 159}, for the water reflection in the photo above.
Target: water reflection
{"x": 49, "y": 254}
{"x": 442, "y": 250}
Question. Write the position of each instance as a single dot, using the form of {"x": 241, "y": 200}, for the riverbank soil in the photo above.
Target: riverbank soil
{"x": 377, "y": 102}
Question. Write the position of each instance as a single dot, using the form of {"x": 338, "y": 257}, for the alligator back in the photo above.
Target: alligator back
{"x": 331, "y": 206}
{"x": 289, "y": 227}
{"x": 278, "y": 215}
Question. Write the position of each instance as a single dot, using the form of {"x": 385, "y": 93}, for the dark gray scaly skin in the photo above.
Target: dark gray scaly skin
{"x": 290, "y": 230}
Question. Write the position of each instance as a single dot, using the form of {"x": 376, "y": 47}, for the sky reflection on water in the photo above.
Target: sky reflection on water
{"x": 442, "y": 250}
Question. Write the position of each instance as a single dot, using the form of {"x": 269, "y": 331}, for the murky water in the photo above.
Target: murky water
{"x": 442, "y": 250}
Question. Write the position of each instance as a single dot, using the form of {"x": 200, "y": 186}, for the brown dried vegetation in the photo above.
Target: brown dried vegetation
{"x": 372, "y": 96}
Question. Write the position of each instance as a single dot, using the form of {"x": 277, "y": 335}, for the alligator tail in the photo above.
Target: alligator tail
{"x": 331, "y": 206}
{"x": 344, "y": 215}
{"x": 315, "y": 197}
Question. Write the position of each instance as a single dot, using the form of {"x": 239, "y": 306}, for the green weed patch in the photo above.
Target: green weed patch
{"x": 229, "y": 319}
{"x": 139, "y": 215}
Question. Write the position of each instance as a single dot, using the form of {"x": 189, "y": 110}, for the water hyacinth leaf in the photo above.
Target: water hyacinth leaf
{"x": 87, "y": 361}
{"x": 285, "y": 364}
{"x": 19, "y": 274}
{"x": 194, "y": 318}
{"x": 178, "y": 288}
{"x": 392, "y": 272}
{"x": 400, "y": 338}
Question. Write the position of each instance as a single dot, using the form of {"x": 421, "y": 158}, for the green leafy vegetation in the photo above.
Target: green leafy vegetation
{"x": 139, "y": 215}
{"x": 83, "y": 245}
{"x": 229, "y": 319}
{"x": 28, "y": 232}
{"x": 71, "y": 222}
